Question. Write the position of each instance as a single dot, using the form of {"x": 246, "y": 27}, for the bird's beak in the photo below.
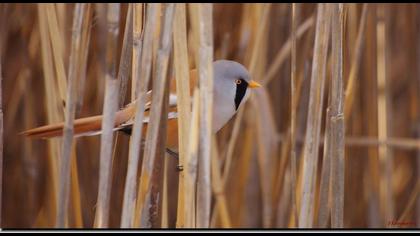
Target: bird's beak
{"x": 253, "y": 84}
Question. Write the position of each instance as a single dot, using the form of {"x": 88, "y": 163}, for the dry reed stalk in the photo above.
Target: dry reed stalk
{"x": 57, "y": 44}
{"x": 21, "y": 82}
{"x": 168, "y": 169}
{"x": 231, "y": 145}
{"x": 418, "y": 112}
{"x": 100, "y": 20}
{"x": 258, "y": 43}
{"x": 1, "y": 120}
{"x": 410, "y": 204}
{"x": 385, "y": 160}
{"x": 337, "y": 120}
{"x": 146, "y": 184}
{"x": 279, "y": 179}
{"x": 76, "y": 205}
{"x": 302, "y": 95}
{"x": 324, "y": 206}
{"x": 229, "y": 157}
{"x": 156, "y": 35}
{"x": 155, "y": 213}
{"x": 183, "y": 101}
{"x": 264, "y": 128}
{"x": 363, "y": 141}
{"x": 218, "y": 188}
{"x": 370, "y": 87}
{"x": 313, "y": 127}
{"x": 390, "y": 142}
{"x": 123, "y": 76}
{"x": 284, "y": 52}
{"x": 4, "y": 31}
{"x": 83, "y": 61}
{"x": 165, "y": 197}
{"x": 144, "y": 64}
{"x": 236, "y": 190}
{"x": 355, "y": 64}
{"x": 137, "y": 46}
{"x": 305, "y": 63}
{"x": 124, "y": 69}
{"x": 324, "y": 186}
{"x": 286, "y": 142}
{"x": 191, "y": 162}
{"x": 351, "y": 26}
{"x": 62, "y": 20}
{"x": 293, "y": 77}
{"x": 109, "y": 109}
{"x": 418, "y": 170}
{"x": 126, "y": 56}
{"x": 267, "y": 151}
{"x": 53, "y": 105}
{"x": 284, "y": 208}
{"x": 68, "y": 130}
{"x": 204, "y": 58}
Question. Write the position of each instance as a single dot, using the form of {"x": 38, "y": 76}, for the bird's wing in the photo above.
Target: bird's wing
{"x": 124, "y": 118}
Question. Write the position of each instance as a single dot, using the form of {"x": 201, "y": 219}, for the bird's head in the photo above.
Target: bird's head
{"x": 231, "y": 77}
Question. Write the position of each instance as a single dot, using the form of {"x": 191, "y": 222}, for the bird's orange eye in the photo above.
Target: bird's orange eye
{"x": 238, "y": 81}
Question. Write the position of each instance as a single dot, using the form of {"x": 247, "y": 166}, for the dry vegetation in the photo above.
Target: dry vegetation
{"x": 332, "y": 140}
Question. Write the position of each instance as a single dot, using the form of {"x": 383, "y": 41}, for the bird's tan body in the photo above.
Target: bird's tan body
{"x": 93, "y": 124}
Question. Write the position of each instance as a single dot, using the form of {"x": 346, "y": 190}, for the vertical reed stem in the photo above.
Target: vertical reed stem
{"x": 204, "y": 31}
{"x": 71, "y": 100}
{"x": 126, "y": 56}
{"x": 183, "y": 100}
{"x": 1, "y": 124}
{"x": 337, "y": 119}
{"x": 385, "y": 158}
{"x": 355, "y": 64}
{"x": 313, "y": 127}
{"x": 138, "y": 36}
{"x": 144, "y": 65}
{"x": 108, "y": 120}
{"x": 295, "y": 20}
{"x": 145, "y": 198}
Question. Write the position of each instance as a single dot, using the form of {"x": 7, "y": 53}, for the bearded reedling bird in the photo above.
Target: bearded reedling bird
{"x": 231, "y": 83}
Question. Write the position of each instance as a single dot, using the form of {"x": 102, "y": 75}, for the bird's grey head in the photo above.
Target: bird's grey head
{"x": 232, "y": 78}
{"x": 231, "y": 83}
{"x": 230, "y": 70}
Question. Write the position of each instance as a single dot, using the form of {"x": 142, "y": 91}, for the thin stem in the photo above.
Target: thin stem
{"x": 204, "y": 55}
{"x": 295, "y": 20}
{"x": 144, "y": 64}
{"x": 149, "y": 160}
{"x": 126, "y": 56}
{"x": 63, "y": 199}
{"x": 183, "y": 100}
{"x": 109, "y": 109}
{"x": 1, "y": 119}
{"x": 310, "y": 156}
{"x": 337, "y": 120}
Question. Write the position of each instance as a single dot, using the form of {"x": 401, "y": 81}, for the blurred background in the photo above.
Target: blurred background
{"x": 380, "y": 77}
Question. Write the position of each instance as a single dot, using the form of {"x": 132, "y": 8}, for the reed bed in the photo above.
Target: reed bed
{"x": 331, "y": 140}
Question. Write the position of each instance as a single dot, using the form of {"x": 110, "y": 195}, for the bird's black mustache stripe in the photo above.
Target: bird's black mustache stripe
{"x": 240, "y": 92}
